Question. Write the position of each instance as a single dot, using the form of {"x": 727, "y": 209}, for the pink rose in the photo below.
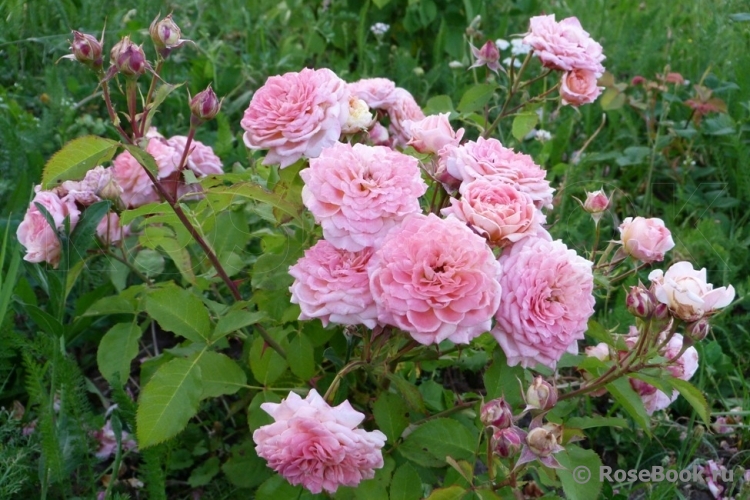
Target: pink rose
{"x": 357, "y": 193}
{"x": 403, "y": 109}
{"x": 579, "y": 87}
{"x": 379, "y": 135}
{"x": 98, "y": 181}
{"x": 318, "y": 446}
{"x": 596, "y": 202}
{"x": 687, "y": 294}
{"x": 488, "y": 55}
{"x": 202, "y": 160}
{"x": 645, "y": 239}
{"x": 296, "y": 115}
{"x": 376, "y": 92}
{"x": 600, "y": 351}
{"x": 137, "y": 188}
{"x": 36, "y": 234}
{"x": 496, "y": 210}
{"x": 564, "y": 46}
{"x": 110, "y": 231}
{"x": 488, "y": 158}
{"x": 430, "y": 134}
{"x": 333, "y": 285}
{"x": 435, "y": 279}
{"x": 546, "y": 303}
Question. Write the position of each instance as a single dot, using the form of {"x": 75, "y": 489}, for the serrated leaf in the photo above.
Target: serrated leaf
{"x": 406, "y": 484}
{"x": 255, "y": 192}
{"x": 180, "y": 312}
{"x": 580, "y": 477}
{"x": 597, "y": 332}
{"x": 220, "y": 375}
{"x": 143, "y": 157}
{"x": 524, "y": 123}
{"x": 236, "y": 320}
{"x": 501, "y": 380}
{"x": 299, "y": 354}
{"x": 693, "y": 396}
{"x": 436, "y": 439}
{"x": 76, "y": 158}
{"x": 439, "y": 104}
{"x": 114, "y": 304}
{"x": 631, "y": 401}
{"x": 256, "y": 416}
{"x": 265, "y": 363}
{"x": 245, "y": 468}
{"x": 454, "y": 492}
{"x": 277, "y": 488}
{"x": 117, "y": 349}
{"x": 409, "y": 392}
{"x": 82, "y": 237}
{"x": 391, "y": 415}
{"x": 476, "y": 97}
{"x": 168, "y": 401}
{"x": 381, "y": 3}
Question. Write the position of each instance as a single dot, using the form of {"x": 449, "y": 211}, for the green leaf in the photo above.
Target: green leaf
{"x": 265, "y": 363}
{"x": 439, "y": 104}
{"x": 220, "y": 375}
{"x": 82, "y": 236}
{"x": 256, "y": 416}
{"x": 454, "y": 492}
{"x": 236, "y": 320}
{"x": 409, "y": 393}
{"x": 277, "y": 488}
{"x": 300, "y": 357}
{"x": 695, "y": 397}
{"x": 76, "y": 158}
{"x": 631, "y": 401}
{"x": 597, "y": 332}
{"x": 406, "y": 484}
{"x": 501, "y": 380}
{"x": 150, "y": 262}
{"x": 476, "y": 97}
{"x": 580, "y": 478}
{"x": 391, "y": 415}
{"x": 143, "y": 157}
{"x": 180, "y": 312}
{"x": 245, "y": 468}
{"x": 612, "y": 99}
{"x": 589, "y": 422}
{"x": 255, "y": 192}
{"x": 168, "y": 401}
{"x": 159, "y": 96}
{"x": 44, "y": 320}
{"x": 436, "y": 439}
{"x": 204, "y": 473}
{"x": 524, "y": 123}
{"x": 381, "y": 3}
{"x": 117, "y": 349}
{"x": 661, "y": 381}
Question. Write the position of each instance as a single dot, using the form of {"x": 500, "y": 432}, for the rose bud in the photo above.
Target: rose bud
{"x": 640, "y": 302}
{"x": 596, "y": 203}
{"x": 86, "y": 49}
{"x": 204, "y": 106}
{"x": 507, "y": 442}
{"x": 128, "y": 58}
{"x": 496, "y": 413}
{"x": 698, "y": 330}
{"x": 540, "y": 395}
{"x": 488, "y": 56}
{"x": 543, "y": 442}
{"x": 166, "y": 35}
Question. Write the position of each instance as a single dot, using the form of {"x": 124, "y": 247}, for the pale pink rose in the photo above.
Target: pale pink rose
{"x": 357, "y": 193}
{"x": 432, "y": 133}
{"x": 402, "y": 110}
{"x": 489, "y": 158}
{"x": 89, "y": 190}
{"x": 318, "y": 446}
{"x": 137, "y": 188}
{"x": 496, "y": 210}
{"x": 596, "y": 202}
{"x": 296, "y": 115}
{"x": 600, "y": 351}
{"x": 546, "y": 303}
{"x": 645, "y": 239}
{"x": 564, "y": 46}
{"x": 36, "y": 234}
{"x": 108, "y": 441}
{"x": 376, "y": 92}
{"x": 488, "y": 55}
{"x": 435, "y": 279}
{"x": 379, "y": 135}
{"x": 579, "y": 87}
{"x": 201, "y": 160}
{"x": 333, "y": 285}
{"x": 687, "y": 294}
{"x": 110, "y": 231}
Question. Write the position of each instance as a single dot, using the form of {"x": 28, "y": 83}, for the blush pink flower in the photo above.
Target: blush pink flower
{"x": 546, "y": 303}
{"x": 318, "y": 446}
{"x": 202, "y": 160}
{"x": 376, "y": 92}
{"x": 489, "y": 158}
{"x": 564, "y": 46}
{"x": 36, "y": 234}
{"x": 137, "y": 188}
{"x": 357, "y": 193}
{"x": 296, "y": 115}
{"x": 110, "y": 231}
{"x": 496, "y": 210}
{"x": 89, "y": 190}
{"x": 488, "y": 55}
{"x": 645, "y": 239}
{"x": 578, "y": 87}
{"x": 333, "y": 285}
{"x": 435, "y": 279}
{"x": 432, "y": 133}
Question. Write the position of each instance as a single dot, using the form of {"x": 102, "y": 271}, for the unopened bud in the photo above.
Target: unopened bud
{"x": 487, "y": 55}
{"x": 496, "y": 413}
{"x": 596, "y": 202}
{"x": 541, "y": 395}
{"x": 542, "y": 442}
{"x": 204, "y": 106}
{"x": 128, "y": 58}
{"x": 166, "y": 35}
{"x": 661, "y": 312}
{"x": 698, "y": 330}
{"x": 640, "y": 302}
{"x": 87, "y": 50}
{"x": 507, "y": 442}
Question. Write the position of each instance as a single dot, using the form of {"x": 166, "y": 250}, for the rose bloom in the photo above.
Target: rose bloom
{"x": 201, "y": 160}
{"x": 645, "y": 239}
{"x": 376, "y": 92}
{"x": 564, "y": 46}
{"x": 546, "y": 303}
{"x": 687, "y": 294}
{"x": 109, "y": 229}
{"x": 435, "y": 279}
{"x": 333, "y": 285}
{"x": 496, "y": 210}
{"x": 318, "y": 446}
{"x": 35, "y": 232}
{"x": 360, "y": 117}
{"x": 404, "y": 109}
{"x": 357, "y": 193}
{"x": 296, "y": 115}
{"x": 579, "y": 87}
{"x": 432, "y": 133}
{"x": 137, "y": 188}
{"x": 489, "y": 158}
{"x": 88, "y": 190}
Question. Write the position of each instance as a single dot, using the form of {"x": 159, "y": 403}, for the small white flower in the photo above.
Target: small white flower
{"x": 542, "y": 135}
{"x": 516, "y": 62}
{"x": 455, "y": 65}
{"x": 518, "y": 47}
{"x": 502, "y": 44}
{"x": 379, "y": 29}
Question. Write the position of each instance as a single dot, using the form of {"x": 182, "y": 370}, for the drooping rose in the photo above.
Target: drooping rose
{"x": 645, "y": 239}
{"x": 357, "y": 193}
{"x": 546, "y": 303}
{"x": 35, "y": 233}
{"x": 296, "y": 115}
{"x": 687, "y": 294}
{"x": 201, "y": 159}
{"x": 318, "y": 446}
{"x": 333, "y": 285}
{"x": 432, "y": 133}
{"x": 435, "y": 279}
{"x": 579, "y": 87}
{"x": 564, "y": 45}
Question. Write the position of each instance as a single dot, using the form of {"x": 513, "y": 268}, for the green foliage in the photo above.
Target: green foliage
{"x": 76, "y": 158}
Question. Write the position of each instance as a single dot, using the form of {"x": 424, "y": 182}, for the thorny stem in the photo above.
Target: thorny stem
{"x": 131, "y": 92}
{"x": 150, "y": 94}
{"x": 113, "y": 114}
{"x": 183, "y": 160}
